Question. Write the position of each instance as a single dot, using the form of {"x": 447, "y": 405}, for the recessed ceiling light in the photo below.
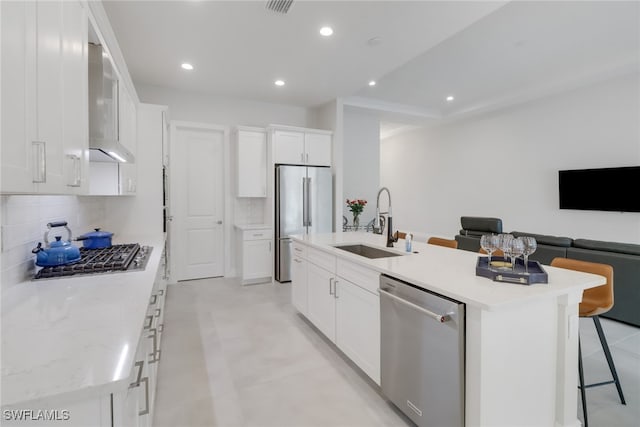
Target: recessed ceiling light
{"x": 450, "y": 98}
{"x": 326, "y": 31}
{"x": 187, "y": 66}
{"x": 372, "y": 83}
{"x": 279, "y": 82}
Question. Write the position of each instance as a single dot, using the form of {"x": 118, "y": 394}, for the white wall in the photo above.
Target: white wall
{"x": 361, "y": 156}
{"x": 204, "y": 108}
{"x": 24, "y": 222}
{"x": 505, "y": 164}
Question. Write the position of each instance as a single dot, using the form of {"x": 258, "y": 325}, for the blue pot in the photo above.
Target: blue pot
{"x": 96, "y": 239}
{"x": 56, "y": 253}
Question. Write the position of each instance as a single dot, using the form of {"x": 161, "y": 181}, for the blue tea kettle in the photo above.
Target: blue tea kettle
{"x": 56, "y": 253}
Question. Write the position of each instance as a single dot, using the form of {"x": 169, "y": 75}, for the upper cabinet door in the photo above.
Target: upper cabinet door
{"x": 75, "y": 112}
{"x": 50, "y": 94}
{"x": 44, "y": 97}
{"x": 18, "y": 85}
{"x": 288, "y": 147}
{"x": 251, "y": 163}
{"x": 318, "y": 149}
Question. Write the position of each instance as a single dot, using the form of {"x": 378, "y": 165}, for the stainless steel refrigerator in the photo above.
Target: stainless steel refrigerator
{"x": 304, "y": 205}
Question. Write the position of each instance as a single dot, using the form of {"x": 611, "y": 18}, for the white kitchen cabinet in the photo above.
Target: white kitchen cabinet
{"x": 317, "y": 148}
{"x": 341, "y": 299}
{"x": 44, "y": 105}
{"x": 358, "y": 326}
{"x": 251, "y": 162}
{"x": 321, "y": 300}
{"x": 299, "y": 283}
{"x": 127, "y": 133}
{"x": 255, "y": 254}
{"x": 301, "y": 146}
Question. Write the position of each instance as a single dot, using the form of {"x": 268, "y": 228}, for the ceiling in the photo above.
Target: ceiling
{"x": 486, "y": 54}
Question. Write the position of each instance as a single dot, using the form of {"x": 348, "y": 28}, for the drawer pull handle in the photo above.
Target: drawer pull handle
{"x": 136, "y": 383}
{"x": 150, "y": 318}
{"x": 145, "y": 411}
{"x": 161, "y": 292}
{"x": 158, "y": 311}
{"x": 154, "y": 299}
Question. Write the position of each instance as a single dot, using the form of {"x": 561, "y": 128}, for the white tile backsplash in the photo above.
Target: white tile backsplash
{"x": 24, "y": 222}
{"x": 250, "y": 211}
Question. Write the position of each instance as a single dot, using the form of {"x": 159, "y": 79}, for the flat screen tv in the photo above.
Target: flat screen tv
{"x": 605, "y": 189}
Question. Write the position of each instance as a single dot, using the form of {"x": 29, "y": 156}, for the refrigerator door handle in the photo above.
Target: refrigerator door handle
{"x": 309, "y": 214}
{"x": 304, "y": 202}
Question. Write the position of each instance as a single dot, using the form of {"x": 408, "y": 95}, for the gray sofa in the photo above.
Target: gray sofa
{"x": 623, "y": 257}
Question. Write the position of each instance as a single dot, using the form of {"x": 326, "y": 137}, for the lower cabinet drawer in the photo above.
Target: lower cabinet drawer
{"x": 361, "y": 276}
{"x": 261, "y": 234}
{"x": 322, "y": 259}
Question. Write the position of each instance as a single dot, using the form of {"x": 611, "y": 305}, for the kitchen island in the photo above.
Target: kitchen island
{"x": 521, "y": 358}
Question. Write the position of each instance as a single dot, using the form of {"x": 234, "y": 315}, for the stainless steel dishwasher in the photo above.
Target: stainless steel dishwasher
{"x": 422, "y": 353}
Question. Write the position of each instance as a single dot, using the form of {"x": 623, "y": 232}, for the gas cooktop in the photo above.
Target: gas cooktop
{"x": 114, "y": 259}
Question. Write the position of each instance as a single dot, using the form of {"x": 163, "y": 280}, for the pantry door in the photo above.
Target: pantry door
{"x": 197, "y": 200}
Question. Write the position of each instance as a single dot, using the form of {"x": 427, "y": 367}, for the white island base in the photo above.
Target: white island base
{"x": 521, "y": 344}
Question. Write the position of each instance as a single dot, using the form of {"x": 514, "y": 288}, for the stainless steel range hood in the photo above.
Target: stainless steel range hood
{"x": 103, "y": 110}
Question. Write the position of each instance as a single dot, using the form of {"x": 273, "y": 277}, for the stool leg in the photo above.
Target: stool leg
{"x": 582, "y": 390}
{"x": 607, "y": 354}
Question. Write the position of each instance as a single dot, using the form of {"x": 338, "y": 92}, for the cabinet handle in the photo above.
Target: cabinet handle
{"x": 158, "y": 311}
{"x": 269, "y": 246}
{"x": 257, "y": 234}
{"x": 76, "y": 180}
{"x": 150, "y": 317}
{"x": 136, "y": 383}
{"x": 297, "y": 249}
{"x": 39, "y": 161}
{"x": 302, "y": 157}
{"x": 145, "y": 411}
{"x": 307, "y": 157}
{"x": 335, "y": 289}
{"x": 156, "y": 351}
{"x": 161, "y": 292}
{"x": 154, "y": 299}
{"x": 161, "y": 327}
{"x": 330, "y": 283}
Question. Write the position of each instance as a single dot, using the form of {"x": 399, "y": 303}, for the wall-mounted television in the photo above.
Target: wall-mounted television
{"x": 605, "y": 189}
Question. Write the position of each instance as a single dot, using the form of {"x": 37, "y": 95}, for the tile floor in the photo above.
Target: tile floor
{"x": 241, "y": 356}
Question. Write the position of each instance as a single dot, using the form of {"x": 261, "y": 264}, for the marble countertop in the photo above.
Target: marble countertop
{"x": 76, "y": 335}
{"x": 451, "y": 272}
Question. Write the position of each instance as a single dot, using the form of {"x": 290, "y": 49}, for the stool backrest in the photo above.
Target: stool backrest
{"x": 596, "y": 300}
{"x": 443, "y": 242}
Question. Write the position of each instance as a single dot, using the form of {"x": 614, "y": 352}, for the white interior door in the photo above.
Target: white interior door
{"x": 197, "y": 201}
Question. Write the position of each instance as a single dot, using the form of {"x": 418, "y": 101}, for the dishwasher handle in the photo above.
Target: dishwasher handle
{"x": 439, "y": 317}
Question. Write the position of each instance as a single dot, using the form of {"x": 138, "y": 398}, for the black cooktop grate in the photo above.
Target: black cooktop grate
{"x": 114, "y": 258}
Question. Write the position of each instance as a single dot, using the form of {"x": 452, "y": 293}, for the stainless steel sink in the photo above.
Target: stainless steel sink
{"x": 367, "y": 251}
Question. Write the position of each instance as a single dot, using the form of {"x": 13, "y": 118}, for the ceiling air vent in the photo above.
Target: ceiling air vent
{"x": 279, "y": 6}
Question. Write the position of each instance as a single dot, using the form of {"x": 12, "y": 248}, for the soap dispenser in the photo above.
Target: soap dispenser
{"x": 407, "y": 242}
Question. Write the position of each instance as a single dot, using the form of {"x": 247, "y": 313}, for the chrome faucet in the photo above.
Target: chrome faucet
{"x": 376, "y": 224}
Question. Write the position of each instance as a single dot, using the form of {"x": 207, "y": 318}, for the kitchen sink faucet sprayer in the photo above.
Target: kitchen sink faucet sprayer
{"x": 390, "y": 239}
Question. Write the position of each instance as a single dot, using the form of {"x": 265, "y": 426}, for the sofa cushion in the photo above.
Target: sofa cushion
{"x": 481, "y": 224}
{"x": 468, "y": 243}
{"x": 474, "y": 233}
{"x": 544, "y": 239}
{"x": 597, "y": 245}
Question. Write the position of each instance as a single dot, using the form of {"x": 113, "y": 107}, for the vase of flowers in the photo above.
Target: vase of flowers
{"x": 356, "y": 207}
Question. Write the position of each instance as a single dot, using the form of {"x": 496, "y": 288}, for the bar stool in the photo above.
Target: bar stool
{"x": 453, "y": 244}
{"x": 399, "y": 235}
{"x": 595, "y": 301}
